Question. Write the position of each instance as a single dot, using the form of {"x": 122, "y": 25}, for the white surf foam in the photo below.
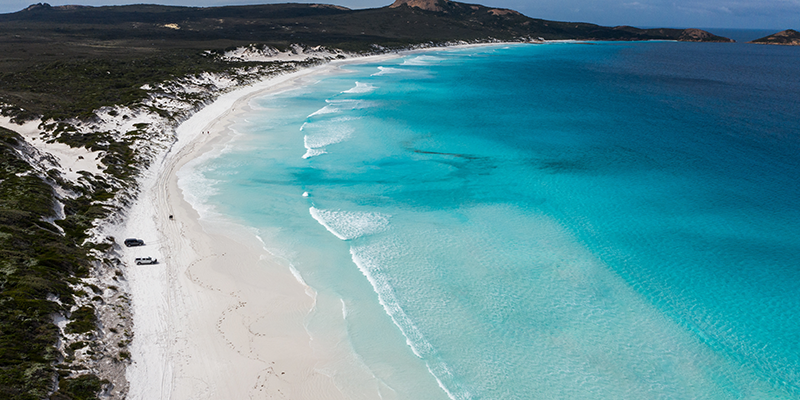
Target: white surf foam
{"x": 328, "y": 109}
{"x": 329, "y": 136}
{"x": 442, "y": 371}
{"x": 335, "y": 106}
{"x": 315, "y": 142}
{"x": 310, "y": 152}
{"x": 348, "y": 225}
{"x": 421, "y": 60}
{"x": 367, "y": 258}
{"x": 361, "y": 88}
{"x": 197, "y": 189}
{"x": 387, "y": 70}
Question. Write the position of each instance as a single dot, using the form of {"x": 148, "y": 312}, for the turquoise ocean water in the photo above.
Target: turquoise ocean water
{"x": 598, "y": 221}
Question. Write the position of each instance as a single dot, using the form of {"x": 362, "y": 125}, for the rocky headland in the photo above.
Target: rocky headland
{"x": 789, "y": 37}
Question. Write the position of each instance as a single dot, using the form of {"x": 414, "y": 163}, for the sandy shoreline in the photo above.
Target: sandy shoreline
{"x": 217, "y": 317}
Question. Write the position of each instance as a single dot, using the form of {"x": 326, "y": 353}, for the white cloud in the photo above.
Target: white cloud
{"x": 636, "y": 6}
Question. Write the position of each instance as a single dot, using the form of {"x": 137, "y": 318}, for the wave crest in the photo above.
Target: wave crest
{"x": 387, "y": 70}
{"x": 329, "y": 134}
{"x": 349, "y": 225}
{"x": 361, "y": 88}
{"x": 422, "y": 60}
{"x": 335, "y": 106}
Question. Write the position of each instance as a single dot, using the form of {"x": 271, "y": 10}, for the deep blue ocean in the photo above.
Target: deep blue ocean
{"x": 571, "y": 220}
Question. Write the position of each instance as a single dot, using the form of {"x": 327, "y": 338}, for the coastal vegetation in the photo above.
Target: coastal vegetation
{"x": 63, "y": 65}
{"x": 39, "y": 266}
{"x": 53, "y": 268}
{"x": 74, "y": 87}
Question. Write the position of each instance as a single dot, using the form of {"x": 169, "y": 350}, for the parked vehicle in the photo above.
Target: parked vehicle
{"x": 130, "y": 242}
{"x": 146, "y": 261}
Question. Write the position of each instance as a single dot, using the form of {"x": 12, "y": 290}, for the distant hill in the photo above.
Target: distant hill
{"x": 403, "y": 22}
{"x": 789, "y": 37}
{"x": 139, "y": 43}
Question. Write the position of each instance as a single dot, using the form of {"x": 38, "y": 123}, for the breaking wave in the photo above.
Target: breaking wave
{"x": 387, "y": 70}
{"x": 326, "y": 135}
{"x": 349, "y": 225}
{"x": 421, "y": 60}
{"x": 361, "y": 88}
{"x": 335, "y": 106}
{"x": 369, "y": 260}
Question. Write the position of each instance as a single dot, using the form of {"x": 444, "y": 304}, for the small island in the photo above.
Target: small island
{"x": 789, "y": 37}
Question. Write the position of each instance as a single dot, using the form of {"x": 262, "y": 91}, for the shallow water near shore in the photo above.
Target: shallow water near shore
{"x": 605, "y": 220}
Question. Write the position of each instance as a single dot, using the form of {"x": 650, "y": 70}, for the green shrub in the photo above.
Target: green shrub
{"x": 84, "y": 387}
{"x": 83, "y": 320}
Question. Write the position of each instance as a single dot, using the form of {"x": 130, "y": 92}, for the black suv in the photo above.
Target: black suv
{"x": 134, "y": 242}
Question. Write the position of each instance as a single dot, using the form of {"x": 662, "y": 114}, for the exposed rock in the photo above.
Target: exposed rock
{"x": 789, "y": 37}
{"x": 428, "y": 5}
{"x": 503, "y": 12}
{"x": 38, "y": 6}
{"x": 70, "y": 7}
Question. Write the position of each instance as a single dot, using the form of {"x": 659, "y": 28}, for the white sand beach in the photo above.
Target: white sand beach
{"x": 217, "y": 317}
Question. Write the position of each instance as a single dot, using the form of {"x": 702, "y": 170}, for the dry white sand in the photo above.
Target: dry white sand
{"x": 71, "y": 160}
{"x": 218, "y": 317}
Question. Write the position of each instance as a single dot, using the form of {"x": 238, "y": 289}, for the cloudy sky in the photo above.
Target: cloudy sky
{"x": 744, "y": 14}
